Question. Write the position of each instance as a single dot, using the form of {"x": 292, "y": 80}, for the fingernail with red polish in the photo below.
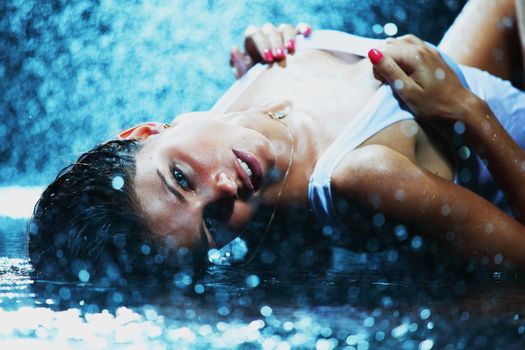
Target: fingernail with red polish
{"x": 304, "y": 29}
{"x": 307, "y": 31}
{"x": 290, "y": 45}
{"x": 279, "y": 54}
{"x": 375, "y": 56}
{"x": 268, "y": 56}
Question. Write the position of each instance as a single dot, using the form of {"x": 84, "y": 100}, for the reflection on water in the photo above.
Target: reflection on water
{"x": 15, "y": 282}
{"x": 240, "y": 308}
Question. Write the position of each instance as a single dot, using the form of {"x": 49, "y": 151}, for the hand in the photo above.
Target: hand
{"x": 267, "y": 44}
{"x": 421, "y": 78}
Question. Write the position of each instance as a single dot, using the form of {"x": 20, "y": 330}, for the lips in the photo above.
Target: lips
{"x": 252, "y": 182}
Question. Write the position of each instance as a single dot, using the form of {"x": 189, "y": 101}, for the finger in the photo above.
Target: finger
{"x": 250, "y": 30}
{"x": 240, "y": 62}
{"x": 257, "y": 45}
{"x": 379, "y": 77}
{"x": 412, "y": 39}
{"x": 386, "y": 67}
{"x": 288, "y": 32}
{"x": 276, "y": 41}
{"x": 304, "y": 29}
{"x": 406, "y": 55}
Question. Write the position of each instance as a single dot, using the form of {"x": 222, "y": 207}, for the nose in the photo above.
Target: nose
{"x": 226, "y": 186}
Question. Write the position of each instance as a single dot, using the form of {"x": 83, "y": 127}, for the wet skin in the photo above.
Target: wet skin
{"x": 190, "y": 171}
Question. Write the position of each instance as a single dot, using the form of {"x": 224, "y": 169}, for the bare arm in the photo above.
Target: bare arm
{"x": 520, "y": 18}
{"x": 505, "y": 159}
{"x": 417, "y": 197}
{"x": 444, "y": 98}
{"x": 484, "y": 35}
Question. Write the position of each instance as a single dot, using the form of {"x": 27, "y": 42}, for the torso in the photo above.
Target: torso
{"x": 324, "y": 94}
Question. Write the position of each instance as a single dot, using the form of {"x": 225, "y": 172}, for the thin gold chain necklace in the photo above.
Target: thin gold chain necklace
{"x": 277, "y": 117}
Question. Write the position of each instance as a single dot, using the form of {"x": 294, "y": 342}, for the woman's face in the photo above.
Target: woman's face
{"x": 200, "y": 181}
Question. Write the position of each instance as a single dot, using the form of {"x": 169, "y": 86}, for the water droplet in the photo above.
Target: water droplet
{"x": 378, "y": 220}
{"x": 223, "y": 310}
{"x": 377, "y": 28}
{"x": 117, "y": 182}
{"x": 150, "y": 314}
{"x": 198, "y": 288}
{"x": 440, "y": 74}
{"x": 145, "y": 249}
{"x": 459, "y": 127}
{"x": 398, "y": 84}
{"x": 380, "y": 336}
{"x": 417, "y": 242}
{"x": 352, "y": 340}
{"x": 390, "y": 29}
{"x": 464, "y": 152}
{"x": 400, "y": 331}
{"x": 214, "y": 256}
{"x": 424, "y": 314}
{"x": 65, "y": 293}
{"x": 392, "y": 256}
{"x": 465, "y": 175}
{"x": 369, "y": 322}
{"x": 288, "y": 326}
{"x": 401, "y": 232}
{"x": 497, "y": 53}
{"x": 83, "y": 276}
{"x": 327, "y": 230}
{"x": 266, "y": 311}
{"x": 426, "y": 344}
{"x": 465, "y": 316}
{"x": 252, "y": 281}
{"x": 400, "y": 195}
{"x": 239, "y": 249}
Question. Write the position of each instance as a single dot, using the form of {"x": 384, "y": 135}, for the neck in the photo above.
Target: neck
{"x": 278, "y": 133}
{"x": 284, "y": 143}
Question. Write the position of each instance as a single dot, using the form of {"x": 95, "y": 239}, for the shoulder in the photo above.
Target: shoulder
{"x": 372, "y": 168}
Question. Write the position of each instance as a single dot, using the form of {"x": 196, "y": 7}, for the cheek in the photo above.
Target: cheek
{"x": 242, "y": 214}
{"x": 182, "y": 226}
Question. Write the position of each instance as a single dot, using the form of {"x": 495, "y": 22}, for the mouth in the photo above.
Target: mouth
{"x": 249, "y": 169}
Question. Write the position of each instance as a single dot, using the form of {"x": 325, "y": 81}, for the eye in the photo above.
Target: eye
{"x": 211, "y": 225}
{"x": 179, "y": 177}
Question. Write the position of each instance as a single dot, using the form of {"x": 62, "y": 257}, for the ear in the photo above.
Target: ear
{"x": 142, "y": 131}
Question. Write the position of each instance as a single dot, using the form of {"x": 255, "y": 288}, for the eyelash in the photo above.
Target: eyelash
{"x": 182, "y": 182}
{"x": 211, "y": 225}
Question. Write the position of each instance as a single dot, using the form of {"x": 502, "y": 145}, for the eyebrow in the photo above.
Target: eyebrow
{"x": 171, "y": 188}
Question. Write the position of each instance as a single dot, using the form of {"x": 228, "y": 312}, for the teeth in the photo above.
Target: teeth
{"x": 245, "y": 167}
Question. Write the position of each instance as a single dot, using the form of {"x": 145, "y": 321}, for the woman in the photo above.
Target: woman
{"x": 316, "y": 131}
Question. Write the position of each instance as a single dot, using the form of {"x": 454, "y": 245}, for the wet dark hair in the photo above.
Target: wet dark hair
{"x": 86, "y": 225}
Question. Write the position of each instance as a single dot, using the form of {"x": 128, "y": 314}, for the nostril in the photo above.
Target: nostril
{"x": 227, "y": 185}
